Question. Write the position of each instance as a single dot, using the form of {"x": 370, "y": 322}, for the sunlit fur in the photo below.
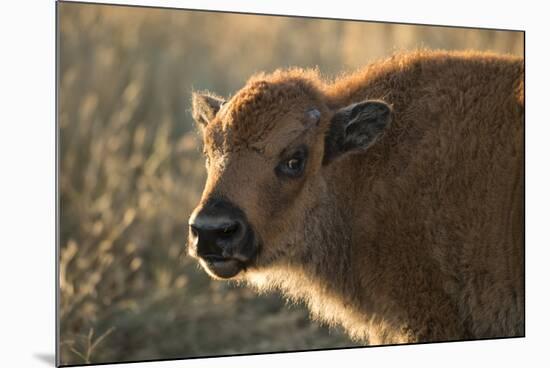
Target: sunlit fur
{"x": 419, "y": 238}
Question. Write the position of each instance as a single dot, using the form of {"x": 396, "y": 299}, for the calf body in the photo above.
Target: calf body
{"x": 389, "y": 200}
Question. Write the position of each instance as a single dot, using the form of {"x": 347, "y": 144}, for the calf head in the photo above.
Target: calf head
{"x": 267, "y": 152}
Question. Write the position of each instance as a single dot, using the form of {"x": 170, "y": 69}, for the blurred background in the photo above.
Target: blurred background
{"x": 131, "y": 171}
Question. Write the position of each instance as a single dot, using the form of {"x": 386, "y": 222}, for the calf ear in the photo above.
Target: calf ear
{"x": 205, "y": 107}
{"x": 355, "y": 128}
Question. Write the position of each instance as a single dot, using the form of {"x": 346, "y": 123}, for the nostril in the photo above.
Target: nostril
{"x": 229, "y": 230}
{"x": 194, "y": 232}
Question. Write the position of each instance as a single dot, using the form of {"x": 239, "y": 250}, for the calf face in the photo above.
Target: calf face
{"x": 266, "y": 156}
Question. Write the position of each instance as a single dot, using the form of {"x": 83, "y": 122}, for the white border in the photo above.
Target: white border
{"x": 27, "y": 181}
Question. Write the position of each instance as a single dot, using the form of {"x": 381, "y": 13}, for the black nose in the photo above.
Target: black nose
{"x": 217, "y": 229}
{"x": 215, "y": 236}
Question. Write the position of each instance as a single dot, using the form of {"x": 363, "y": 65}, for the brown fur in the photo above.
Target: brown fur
{"x": 420, "y": 238}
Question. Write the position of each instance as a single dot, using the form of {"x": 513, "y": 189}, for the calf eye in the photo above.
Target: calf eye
{"x": 294, "y": 165}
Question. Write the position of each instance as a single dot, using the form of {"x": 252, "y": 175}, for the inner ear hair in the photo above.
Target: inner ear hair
{"x": 205, "y": 106}
{"x": 356, "y": 127}
{"x": 367, "y": 121}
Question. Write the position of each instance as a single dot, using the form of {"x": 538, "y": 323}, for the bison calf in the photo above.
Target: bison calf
{"x": 389, "y": 200}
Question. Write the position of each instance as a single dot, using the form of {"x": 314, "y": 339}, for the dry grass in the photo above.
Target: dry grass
{"x": 131, "y": 172}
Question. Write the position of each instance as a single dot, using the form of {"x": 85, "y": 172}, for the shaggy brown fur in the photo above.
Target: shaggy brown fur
{"x": 418, "y": 238}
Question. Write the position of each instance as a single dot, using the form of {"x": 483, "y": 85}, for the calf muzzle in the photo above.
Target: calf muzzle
{"x": 221, "y": 238}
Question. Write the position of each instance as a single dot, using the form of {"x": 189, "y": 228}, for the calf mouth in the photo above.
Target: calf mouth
{"x": 228, "y": 265}
{"x": 221, "y": 267}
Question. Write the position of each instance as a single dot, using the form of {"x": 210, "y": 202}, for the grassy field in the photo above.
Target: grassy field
{"x": 131, "y": 172}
